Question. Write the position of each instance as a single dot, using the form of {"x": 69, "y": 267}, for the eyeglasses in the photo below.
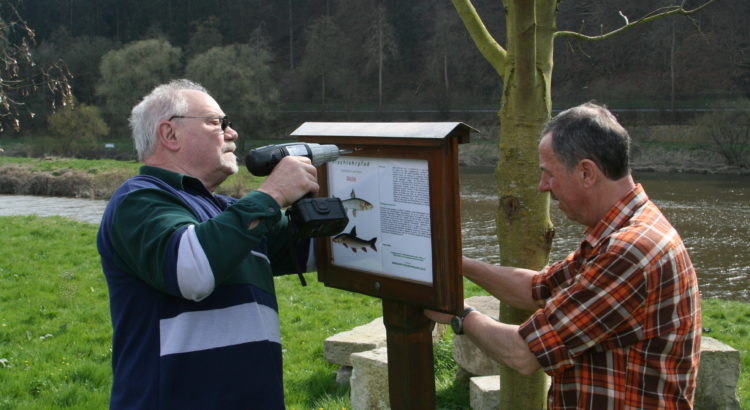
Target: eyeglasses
{"x": 224, "y": 120}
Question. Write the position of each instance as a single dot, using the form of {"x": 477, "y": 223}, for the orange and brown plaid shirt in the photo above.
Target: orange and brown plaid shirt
{"x": 619, "y": 324}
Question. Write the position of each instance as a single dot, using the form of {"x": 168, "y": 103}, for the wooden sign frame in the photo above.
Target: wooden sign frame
{"x": 435, "y": 143}
{"x": 411, "y": 379}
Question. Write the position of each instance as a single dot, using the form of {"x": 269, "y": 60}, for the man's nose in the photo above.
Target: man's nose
{"x": 543, "y": 186}
{"x": 230, "y": 133}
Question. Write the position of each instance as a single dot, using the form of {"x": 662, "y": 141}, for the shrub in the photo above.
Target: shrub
{"x": 75, "y": 130}
{"x": 728, "y": 127}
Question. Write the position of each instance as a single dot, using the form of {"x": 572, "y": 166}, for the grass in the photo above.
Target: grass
{"x": 54, "y": 337}
{"x": 55, "y": 332}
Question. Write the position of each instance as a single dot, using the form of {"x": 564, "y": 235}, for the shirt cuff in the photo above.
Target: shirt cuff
{"x": 539, "y": 289}
{"x": 545, "y": 343}
{"x": 259, "y": 205}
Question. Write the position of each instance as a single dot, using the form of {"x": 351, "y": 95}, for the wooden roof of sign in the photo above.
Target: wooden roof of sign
{"x": 385, "y": 130}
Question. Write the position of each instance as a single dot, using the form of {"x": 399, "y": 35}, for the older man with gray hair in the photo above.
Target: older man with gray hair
{"x": 190, "y": 272}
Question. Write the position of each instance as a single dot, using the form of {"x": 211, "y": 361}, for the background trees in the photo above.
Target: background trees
{"x": 129, "y": 73}
{"x": 239, "y": 76}
{"x": 323, "y": 57}
{"x": 380, "y": 46}
{"x": 334, "y": 60}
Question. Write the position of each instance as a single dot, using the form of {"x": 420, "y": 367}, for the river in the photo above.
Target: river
{"x": 711, "y": 213}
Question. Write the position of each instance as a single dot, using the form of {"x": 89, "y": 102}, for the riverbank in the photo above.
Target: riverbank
{"x": 645, "y": 157}
{"x": 87, "y": 179}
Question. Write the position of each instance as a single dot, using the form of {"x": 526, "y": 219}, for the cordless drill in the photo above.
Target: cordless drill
{"x": 308, "y": 217}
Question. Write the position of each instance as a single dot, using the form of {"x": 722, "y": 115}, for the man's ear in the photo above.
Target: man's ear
{"x": 168, "y": 136}
{"x": 588, "y": 172}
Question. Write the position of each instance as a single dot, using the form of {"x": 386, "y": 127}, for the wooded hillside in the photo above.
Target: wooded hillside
{"x": 388, "y": 59}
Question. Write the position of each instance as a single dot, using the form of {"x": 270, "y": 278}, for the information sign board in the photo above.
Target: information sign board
{"x": 400, "y": 188}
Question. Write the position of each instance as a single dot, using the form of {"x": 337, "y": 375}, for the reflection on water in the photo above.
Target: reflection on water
{"x": 711, "y": 213}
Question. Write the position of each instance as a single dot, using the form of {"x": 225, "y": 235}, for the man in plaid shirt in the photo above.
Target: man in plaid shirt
{"x": 618, "y": 322}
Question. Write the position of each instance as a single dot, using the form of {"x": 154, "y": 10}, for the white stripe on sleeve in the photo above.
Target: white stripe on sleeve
{"x": 194, "y": 275}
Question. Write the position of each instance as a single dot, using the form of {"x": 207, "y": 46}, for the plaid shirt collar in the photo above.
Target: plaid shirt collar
{"x": 615, "y": 218}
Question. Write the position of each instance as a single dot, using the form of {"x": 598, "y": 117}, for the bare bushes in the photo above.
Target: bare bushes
{"x": 728, "y": 127}
{"x": 19, "y": 180}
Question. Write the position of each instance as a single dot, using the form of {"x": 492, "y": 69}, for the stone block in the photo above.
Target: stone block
{"x": 484, "y": 392}
{"x": 343, "y": 374}
{"x": 466, "y": 354}
{"x": 717, "y": 376}
{"x": 339, "y": 347}
{"x": 369, "y": 381}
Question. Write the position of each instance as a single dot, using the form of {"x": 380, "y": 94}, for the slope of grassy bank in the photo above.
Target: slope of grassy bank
{"x": 55, "y": 330}
{"x": 84, "y": 178}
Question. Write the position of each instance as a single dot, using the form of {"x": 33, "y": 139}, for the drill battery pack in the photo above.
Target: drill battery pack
{"x": 316, "y": 217}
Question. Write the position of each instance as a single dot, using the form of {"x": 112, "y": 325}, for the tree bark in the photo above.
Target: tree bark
{"x": 291, "y": 37}
{"x": 524, "y": 230}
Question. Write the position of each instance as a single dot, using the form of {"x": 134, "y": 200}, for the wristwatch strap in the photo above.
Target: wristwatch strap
{"x": 457, "y": 324}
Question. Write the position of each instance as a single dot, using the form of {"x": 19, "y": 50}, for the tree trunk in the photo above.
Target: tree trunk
{"x": 524, "y": 230}
{"x": 381, "y": 16}
{"x": 323, "y": 89}
{"x": 672, "y": 68}
{"x": 446, "y": 83}
{"x": 291, "y": 37}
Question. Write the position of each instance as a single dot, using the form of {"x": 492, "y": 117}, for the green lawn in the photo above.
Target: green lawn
{"x": 55, "y": 330}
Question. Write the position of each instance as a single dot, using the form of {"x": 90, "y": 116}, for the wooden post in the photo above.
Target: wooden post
{"x": 411, "y": 375}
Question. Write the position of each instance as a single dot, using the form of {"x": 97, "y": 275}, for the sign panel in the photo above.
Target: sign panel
{"x": 388, "y": 204}
{"x": 399, "y": 186}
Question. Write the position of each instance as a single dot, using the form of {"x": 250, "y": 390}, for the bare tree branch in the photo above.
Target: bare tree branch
{"x": 653, "y": 15}
{"x": 20, "y": 76}
{"x": 490, "y": 49}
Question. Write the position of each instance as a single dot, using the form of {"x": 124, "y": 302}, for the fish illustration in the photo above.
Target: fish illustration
{"x": 350, "y": 240}
{"x": 356, "y": 204}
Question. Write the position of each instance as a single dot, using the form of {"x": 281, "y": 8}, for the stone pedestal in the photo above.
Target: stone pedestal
{"x": 466, "y": 354}
{"x": 484, "y": 392}
{"x": 717, "y": 376}
{"x": 369, "y": 380}
{"x": 339, "y": 347}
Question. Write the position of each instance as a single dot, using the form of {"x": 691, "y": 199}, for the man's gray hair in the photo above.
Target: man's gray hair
{"x": 161, "y": 103}
{"x": 590, "y": 131}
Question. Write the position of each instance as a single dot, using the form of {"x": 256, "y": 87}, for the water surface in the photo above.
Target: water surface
{"x": 711, "y": 213}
